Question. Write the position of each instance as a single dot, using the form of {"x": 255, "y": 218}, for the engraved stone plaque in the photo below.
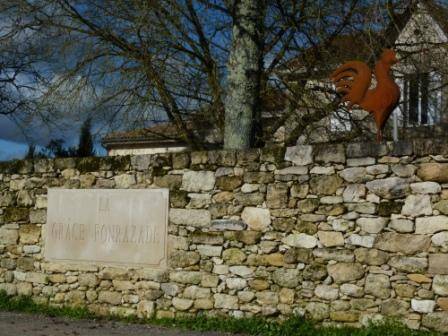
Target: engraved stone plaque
{"x": 107, "y": 226}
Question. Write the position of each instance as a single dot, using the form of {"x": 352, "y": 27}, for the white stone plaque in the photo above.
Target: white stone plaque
{"x": 108, "y": 226}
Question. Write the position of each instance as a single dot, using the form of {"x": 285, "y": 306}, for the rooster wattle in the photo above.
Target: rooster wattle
{"x": 353, "y": 80}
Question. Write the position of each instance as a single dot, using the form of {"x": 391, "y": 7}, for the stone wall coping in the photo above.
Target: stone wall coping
{"x": 316, "y": 153}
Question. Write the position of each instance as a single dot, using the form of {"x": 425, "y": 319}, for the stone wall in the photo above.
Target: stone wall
{"x": 342, "y": 234}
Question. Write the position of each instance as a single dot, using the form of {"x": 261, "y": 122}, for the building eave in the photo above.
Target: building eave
{"x": 141, "y": 143}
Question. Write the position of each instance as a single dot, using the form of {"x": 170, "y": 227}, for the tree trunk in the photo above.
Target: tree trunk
{"x": 242, "y": 106}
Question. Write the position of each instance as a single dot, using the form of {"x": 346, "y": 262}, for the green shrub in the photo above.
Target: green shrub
{"x": 294, "y": 326}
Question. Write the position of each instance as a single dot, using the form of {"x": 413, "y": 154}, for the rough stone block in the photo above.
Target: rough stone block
{"x": 301, "y": 155}
{"x": 438, "y": 263}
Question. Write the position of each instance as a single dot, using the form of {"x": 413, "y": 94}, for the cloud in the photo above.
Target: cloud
{"x": 10, "y": 131}
{"x": 31, "y": 132}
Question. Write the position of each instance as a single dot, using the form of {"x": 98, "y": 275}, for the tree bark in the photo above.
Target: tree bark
{"x": 242, "y": 106}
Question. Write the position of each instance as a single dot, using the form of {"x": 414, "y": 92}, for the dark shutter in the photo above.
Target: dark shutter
{"x": 413, "y": 99}
{"x": 424, "y": 106}
{"x": 405, "y": 100}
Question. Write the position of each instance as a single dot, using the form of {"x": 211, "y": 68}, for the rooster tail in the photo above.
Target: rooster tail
{"x": 352, "y": 80}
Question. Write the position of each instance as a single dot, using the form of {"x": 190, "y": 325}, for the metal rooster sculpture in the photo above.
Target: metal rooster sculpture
{"x": 353, "y": 80}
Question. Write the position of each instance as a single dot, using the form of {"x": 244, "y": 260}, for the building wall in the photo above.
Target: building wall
{"x": 421, "y": 43}
{"x": 341, "y": 234}
{"x": 145, "y": 151}
{"x": 421, "y": 47}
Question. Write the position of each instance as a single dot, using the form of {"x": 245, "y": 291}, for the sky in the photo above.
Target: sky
{"x": 10, "y": 150}
{"x": 13, "y": 144}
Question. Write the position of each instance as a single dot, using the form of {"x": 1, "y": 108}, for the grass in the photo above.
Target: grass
{"x": 249, "y": 326}
{"x": 27, "y": 305}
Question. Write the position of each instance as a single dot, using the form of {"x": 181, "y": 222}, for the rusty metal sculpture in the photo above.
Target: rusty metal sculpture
{"x": 353, "y": 80}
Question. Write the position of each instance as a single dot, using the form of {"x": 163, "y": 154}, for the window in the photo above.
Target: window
{"x": 422, "y": 98}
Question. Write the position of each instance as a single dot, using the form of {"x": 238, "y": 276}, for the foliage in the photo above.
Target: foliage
{"x": 31, "y": 153}
{"x": 294, "y": 326}
{"x": 56, "y": 148}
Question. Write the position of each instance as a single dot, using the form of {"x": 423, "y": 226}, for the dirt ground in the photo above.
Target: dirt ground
{"x": 18, "y": 324}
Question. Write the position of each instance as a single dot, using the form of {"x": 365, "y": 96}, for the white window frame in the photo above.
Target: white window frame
{"x": 434, "y": 104}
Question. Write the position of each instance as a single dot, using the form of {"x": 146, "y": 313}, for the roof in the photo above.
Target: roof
{"x": 338, "y": 50}
{"x": 439, "y": 13}
{"x": 166, "y": 134}
{"x": 158, "y": 135}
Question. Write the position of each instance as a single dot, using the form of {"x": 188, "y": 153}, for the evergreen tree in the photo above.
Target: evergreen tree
{"x": 85, "y": 147}
{"x": 31, "y": 152}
